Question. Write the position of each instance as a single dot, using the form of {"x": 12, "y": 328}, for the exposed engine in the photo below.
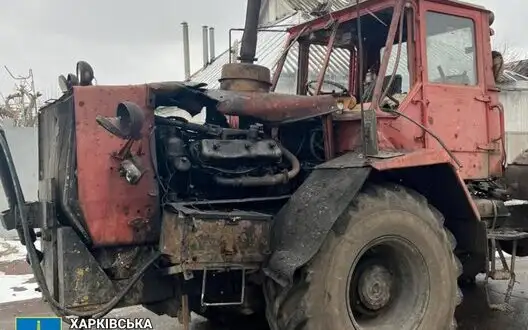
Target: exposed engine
{"x": 192, "y": 158}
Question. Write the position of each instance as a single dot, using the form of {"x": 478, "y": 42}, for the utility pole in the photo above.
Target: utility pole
{"x": 21, "y": 105}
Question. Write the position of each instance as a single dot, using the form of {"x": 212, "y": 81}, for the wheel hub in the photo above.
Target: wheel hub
{"x": 375, "y": 286}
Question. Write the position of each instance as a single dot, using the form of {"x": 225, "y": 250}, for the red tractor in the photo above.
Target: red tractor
{"x": 363, "y": 206}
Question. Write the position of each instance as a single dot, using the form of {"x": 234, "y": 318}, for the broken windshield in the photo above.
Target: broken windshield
{"x": 450, "y": 44}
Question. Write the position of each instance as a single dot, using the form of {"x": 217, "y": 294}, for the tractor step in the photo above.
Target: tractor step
{"x": 208, "y": 271}
{"x": 495, "y": 236}
{"x": 506, "y": 235}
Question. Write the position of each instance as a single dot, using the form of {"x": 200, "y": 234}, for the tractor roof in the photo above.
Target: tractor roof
{"x": 373, "y": 3}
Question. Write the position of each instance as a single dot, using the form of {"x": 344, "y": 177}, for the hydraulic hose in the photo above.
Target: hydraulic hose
{"x": 9, "y": 176}
{"x": 267, "y": 180}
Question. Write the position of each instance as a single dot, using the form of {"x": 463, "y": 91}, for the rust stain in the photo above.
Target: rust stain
{"x": 199, "y": 241}
{"x": 105, "y": 198}
{"x": 415, "y": 158}
{"x": 274, "y": 107}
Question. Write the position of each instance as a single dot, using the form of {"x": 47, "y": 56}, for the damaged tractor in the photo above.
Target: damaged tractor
{"x": 357, "y": 204}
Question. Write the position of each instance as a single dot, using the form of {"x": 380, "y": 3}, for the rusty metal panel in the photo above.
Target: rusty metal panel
{"x": 82, "y": 282}
{"x": 195, "y": 239}
{"x": 115, "y": 211}
{"x": 273, "y": 107}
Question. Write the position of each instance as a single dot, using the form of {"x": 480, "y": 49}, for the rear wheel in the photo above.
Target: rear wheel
{"x": 388, "y": 263}
{"x": 522, "y": 247}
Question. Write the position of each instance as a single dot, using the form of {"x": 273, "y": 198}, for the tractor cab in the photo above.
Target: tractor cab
{"x": 417, "y": 72}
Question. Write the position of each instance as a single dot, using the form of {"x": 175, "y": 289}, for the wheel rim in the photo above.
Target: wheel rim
{"x": 388, "y": 284}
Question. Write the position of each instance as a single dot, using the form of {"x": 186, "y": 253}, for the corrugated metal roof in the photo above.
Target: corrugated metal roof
{"x": 509, "y": 76}
{"x": 307, "y": 6}
{"x": 268, "y": 50}
{"x": 270, "y": 47}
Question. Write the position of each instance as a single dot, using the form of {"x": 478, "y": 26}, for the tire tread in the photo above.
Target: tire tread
{"x": 293, "y": 312}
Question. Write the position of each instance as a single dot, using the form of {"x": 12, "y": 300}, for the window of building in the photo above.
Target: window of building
{"x": 450, "y": 43}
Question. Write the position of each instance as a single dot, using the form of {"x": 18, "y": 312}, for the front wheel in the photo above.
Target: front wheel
{"x": 388, "y": 263}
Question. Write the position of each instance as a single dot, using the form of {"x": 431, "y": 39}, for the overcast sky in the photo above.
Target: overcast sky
{"x": 137, "y": 41}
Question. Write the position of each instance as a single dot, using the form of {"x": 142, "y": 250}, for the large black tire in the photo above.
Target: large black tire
{"x": 409, "y": 271}
{"x": 522, "y": 247}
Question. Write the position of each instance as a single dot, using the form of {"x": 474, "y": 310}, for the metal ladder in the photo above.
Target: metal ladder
{"x": 495, "y": 236}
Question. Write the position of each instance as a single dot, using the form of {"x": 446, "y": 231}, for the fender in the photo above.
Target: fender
{"x": 302, "y": 225}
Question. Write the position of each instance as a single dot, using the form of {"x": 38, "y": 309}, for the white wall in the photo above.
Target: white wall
{"x": 516, "y": 142}
{"x": 24, "y": 149}
{"x": 514, "y": 97}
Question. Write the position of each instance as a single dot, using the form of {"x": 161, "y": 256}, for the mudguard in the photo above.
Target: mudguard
{"x": 301, "y": 226}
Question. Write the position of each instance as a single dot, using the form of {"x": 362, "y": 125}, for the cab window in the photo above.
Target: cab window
{"x": 450, "y": 43}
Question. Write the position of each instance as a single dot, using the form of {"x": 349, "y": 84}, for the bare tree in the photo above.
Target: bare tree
{"x": 511, "y": 54}
{"x": 509, "y": 64}
{"x": 21, "y": 105}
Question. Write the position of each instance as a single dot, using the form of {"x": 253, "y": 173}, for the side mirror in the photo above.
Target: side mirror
{"x": 63, "y": 84}
{"x": 85, "y": 73}
{"x": 128, "y": 122}
{"x": 67, "y": 83}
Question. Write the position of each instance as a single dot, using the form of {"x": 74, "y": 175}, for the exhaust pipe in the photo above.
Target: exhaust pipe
{"x": 186, "y": 53}
{"x": 249, "y": 38}
{"x": 212, "y": 44}
{"x": 247, "y": 76}
{"x": 205, "y": 46}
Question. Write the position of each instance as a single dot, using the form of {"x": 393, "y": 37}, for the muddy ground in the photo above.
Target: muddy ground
{"x": 473, "y": 314}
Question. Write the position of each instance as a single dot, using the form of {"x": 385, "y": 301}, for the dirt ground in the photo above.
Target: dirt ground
{"x": 473, "y": 314}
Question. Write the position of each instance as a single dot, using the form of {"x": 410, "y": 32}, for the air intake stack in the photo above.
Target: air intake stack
{"x": 246, "y": 75}
{"x": 186, "y": 52}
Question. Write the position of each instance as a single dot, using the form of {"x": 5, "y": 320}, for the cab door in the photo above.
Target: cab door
{"x": 455, "y": 93}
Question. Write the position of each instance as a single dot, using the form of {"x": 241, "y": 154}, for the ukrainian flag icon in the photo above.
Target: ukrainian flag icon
{"x": 38, "y": 323}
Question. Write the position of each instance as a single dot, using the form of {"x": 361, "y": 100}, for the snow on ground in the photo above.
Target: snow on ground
{"x": 12, "y": 250}
{"x": 17, "y": 287}
{"x": 516, "y": 202}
